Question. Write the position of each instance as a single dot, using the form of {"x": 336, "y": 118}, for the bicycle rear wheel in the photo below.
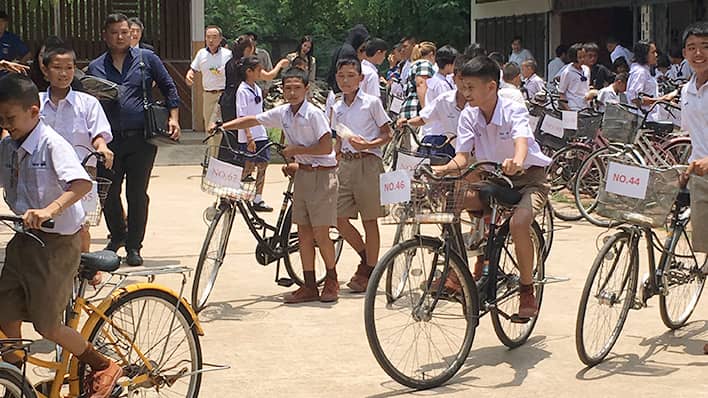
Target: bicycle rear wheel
{"x": 681, "y": 278}
{"x": 211, "y": 256}
{"x": 679, "y": 149}
{"x": 161, "y": 327}
{"x": 607, "y": 297}
{"x": 419, "y": 340}
{"x": 547, "y": 227}
{"x": 561, "y": 174}
{"x": 513, "y": 334}
{"x": 12, "y": 385}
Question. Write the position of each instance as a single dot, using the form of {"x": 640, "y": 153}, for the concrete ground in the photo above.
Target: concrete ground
{"x": 321, "y": 350}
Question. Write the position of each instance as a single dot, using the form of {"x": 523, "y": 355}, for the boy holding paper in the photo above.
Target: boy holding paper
{"x": 315, "y": 191}
{"x": 363, "y": 127}
{"x": 496, "y": 129}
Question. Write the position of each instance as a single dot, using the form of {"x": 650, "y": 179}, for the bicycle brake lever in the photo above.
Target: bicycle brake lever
{"x": 21, "y": 230}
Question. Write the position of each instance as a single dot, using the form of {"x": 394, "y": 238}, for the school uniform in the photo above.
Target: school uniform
{"x": 620, "y": 51}
{"x": 249, "y": 102}
{"x": 370, "y": 84}
{"x": 642, "y": 82}
{"x": 608, "y": 95}
{"x": 36, "y": 283}
{"x": 554, "y": 68}
{"x": 315, "y": 191}
{"x": 534, "y": 85}
{"x": 680, "y": 71}
{"x": 495, "y": 142}
{"x": 437, "y": 85}
{"x": 575, "y": 84}
{"x": 694, "y": 119}
{"x": 441, "y": 116}
{"x": 359, "y": 171}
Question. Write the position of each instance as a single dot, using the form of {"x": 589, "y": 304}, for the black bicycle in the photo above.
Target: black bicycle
{"x": 421, "y": 330}
{"x": 276, "y": 243}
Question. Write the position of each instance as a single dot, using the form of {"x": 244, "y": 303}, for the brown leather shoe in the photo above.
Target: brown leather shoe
{"x": 452, "y": 284}
{"x": 330, "y": 292}
{"x": 100, "y": 384}
{"x": 358, "y": 283}
{"x": 302, "y": 295}
{"x": 527, "y": 303}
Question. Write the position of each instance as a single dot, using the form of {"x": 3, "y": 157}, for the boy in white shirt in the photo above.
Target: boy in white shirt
{"x": 360, "y": 165}
{"x": 439, "y": 83}
{"x": 497, "y": 129}
{"x": 512, "y": 81}
{"x": 315, "y": 193}
{"x": 574, "y": 81}
{"x": 533, "y": 83}
{"x": 374, "y": 54}
{"x": 76, "y": 116}
{"x": 614, "y": 93}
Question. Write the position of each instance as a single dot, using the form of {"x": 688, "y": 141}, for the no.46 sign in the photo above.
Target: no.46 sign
{"x": 627, "y": 180}
{"x": 395, "y": 187}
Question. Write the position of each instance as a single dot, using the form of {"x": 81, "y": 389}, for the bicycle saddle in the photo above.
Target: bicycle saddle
{"x": 505, "y": 196}
{"x": 104, "y": 260}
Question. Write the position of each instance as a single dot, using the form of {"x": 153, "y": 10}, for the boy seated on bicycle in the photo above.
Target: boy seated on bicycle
{"x": 496, "y": 129}
{"x": 315, "y": 189}
{"x": 359, "y": 167}
{"x": 43, "y": 179}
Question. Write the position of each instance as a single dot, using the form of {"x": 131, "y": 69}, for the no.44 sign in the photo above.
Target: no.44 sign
{"x": 627, "y": 180}
{"x": 395, "y": 187}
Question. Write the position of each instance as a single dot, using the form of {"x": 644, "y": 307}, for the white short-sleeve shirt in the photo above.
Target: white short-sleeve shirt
{"x": 370, "y": 84}
{"x": 247, "y": 104}
{"x": 534, "y": 85}
{"x": 608, "y": 95}
{"x": 212, "y": 67}
{"x": 364, "y": 117}
{"x": 305, "y": 128}
{"x": 437, "y": 85}
{"x": 694, "y": 117}
{"x": 495, "y": 141}
{"x": 520, "y": 57}
{"x": 554, "y": 68}
{"x": 620, "y": 51}
{"x": 79, "y": 118}
{"x": 37, "y": 172}
{"x": 641, "y": 81}
{"x": 575, "y": 84}
{"x": 442, "y": 114}
{"x": 680, "y": 71}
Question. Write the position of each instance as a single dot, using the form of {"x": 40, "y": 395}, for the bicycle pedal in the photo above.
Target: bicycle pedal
{"x": 285, "y": 282}
{"x": 520, "y": 320}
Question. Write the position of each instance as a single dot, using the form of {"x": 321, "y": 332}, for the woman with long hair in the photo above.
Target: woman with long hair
{"x": 422, "y": 69}
{"x": 642, "y": 87}
{"x": 306, "y": 50}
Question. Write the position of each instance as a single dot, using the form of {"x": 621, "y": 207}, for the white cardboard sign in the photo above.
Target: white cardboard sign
{"x": 570, "y": 120}
{"x": 224, "y": 174}
{"x": 396, "y": 105}
{"x": 395, "y": 187}
{"x": 533, "y": 122}
{"x": 625, "y": 180}
{"x": 408, "y": 162}
{"x": 90, "y": 201}
{"x": 552, "y": 126}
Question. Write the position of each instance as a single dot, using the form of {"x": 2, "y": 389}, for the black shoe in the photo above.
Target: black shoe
{"x": 262, "y": 206}
{"x": 133, "y": 258}
{"x": 113, "y": 246}
{"x": 248, "y": 178}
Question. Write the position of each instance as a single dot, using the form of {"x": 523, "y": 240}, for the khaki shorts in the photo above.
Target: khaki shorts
{"x": 359, "y": 188}
{"x": 699, "y": 212}
{"x": 36, "y": 282}
{"x": 315, "y": 197}
{"x": 534, "y": 188}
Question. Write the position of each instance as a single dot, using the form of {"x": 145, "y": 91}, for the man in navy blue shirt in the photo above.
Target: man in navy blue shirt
{"x": 134, "y": 157}
{"x": 11, "y": 46}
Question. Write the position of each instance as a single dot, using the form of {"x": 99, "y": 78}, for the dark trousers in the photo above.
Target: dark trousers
{"x": 133, "y": 162}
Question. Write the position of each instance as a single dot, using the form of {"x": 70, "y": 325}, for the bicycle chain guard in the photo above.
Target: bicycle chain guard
{"x": 262, "y": 249}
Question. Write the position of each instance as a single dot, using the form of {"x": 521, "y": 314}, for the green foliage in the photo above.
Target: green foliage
{"x": 441, "y": 21}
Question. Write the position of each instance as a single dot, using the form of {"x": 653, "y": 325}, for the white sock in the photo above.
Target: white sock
{"x": 258, "y": 199}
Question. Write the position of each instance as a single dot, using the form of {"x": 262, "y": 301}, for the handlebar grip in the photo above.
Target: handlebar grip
{"x": 49, "y": 224}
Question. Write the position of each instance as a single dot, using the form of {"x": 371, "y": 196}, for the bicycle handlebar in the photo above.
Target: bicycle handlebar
{"x": 219, "y": 130}
{"x": 18, "y": 220}
{"x": 427, "y": 170}
{"x": 450, "y": 137}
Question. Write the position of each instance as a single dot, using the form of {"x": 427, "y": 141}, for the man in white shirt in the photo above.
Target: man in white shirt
{"x": 374, "y": 54}
{"x": 533, "y": 84}
{"x": 210, "y": 62}
{"x": 407, "y": 45}
{"x": 616, "y": 51}
{"x": 511, "y": 75}
{"x": 574, "y": 81}
{"x": 518, "y": 53}
{"x": 557, "y": 63}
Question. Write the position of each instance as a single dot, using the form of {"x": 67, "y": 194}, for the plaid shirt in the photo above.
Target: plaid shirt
{"x": 411, "y": 106}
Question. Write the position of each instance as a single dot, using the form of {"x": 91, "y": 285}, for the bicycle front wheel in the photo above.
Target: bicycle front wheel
{"x": 12, "y": 385}
{"x": 513, "y": 334}
{"x": 421, "y": 339}
{"x": 682, "y": 280}
{"x": 561, "y": 174}
{"x": 150, "y": 334}
{"x": 211, "y": 257}
{"x": 607, "y": 297}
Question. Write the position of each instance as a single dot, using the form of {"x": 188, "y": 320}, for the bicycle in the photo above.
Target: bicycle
{"x": 610, "y": 290}
{"x": 408, "y": 283}
{"x": 276, "y": 242}
{"x": 148, "y": 329}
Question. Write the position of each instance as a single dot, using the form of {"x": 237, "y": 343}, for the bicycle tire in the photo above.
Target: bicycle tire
{"x": 467, "y": 305}
{"x": 562, "y": 173}
{"x": 675, "y": 271}
{"x": 509, "y": 282}
{"x": 546, "y": 223}
{"x": 208, "y": 268}
{"x": 130, "y": 303}
{"x": 627, "y": 281}
{"x": 680, "y": 150}
{"x": 13, "y": 385}
{"x": 293, "y": 246}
